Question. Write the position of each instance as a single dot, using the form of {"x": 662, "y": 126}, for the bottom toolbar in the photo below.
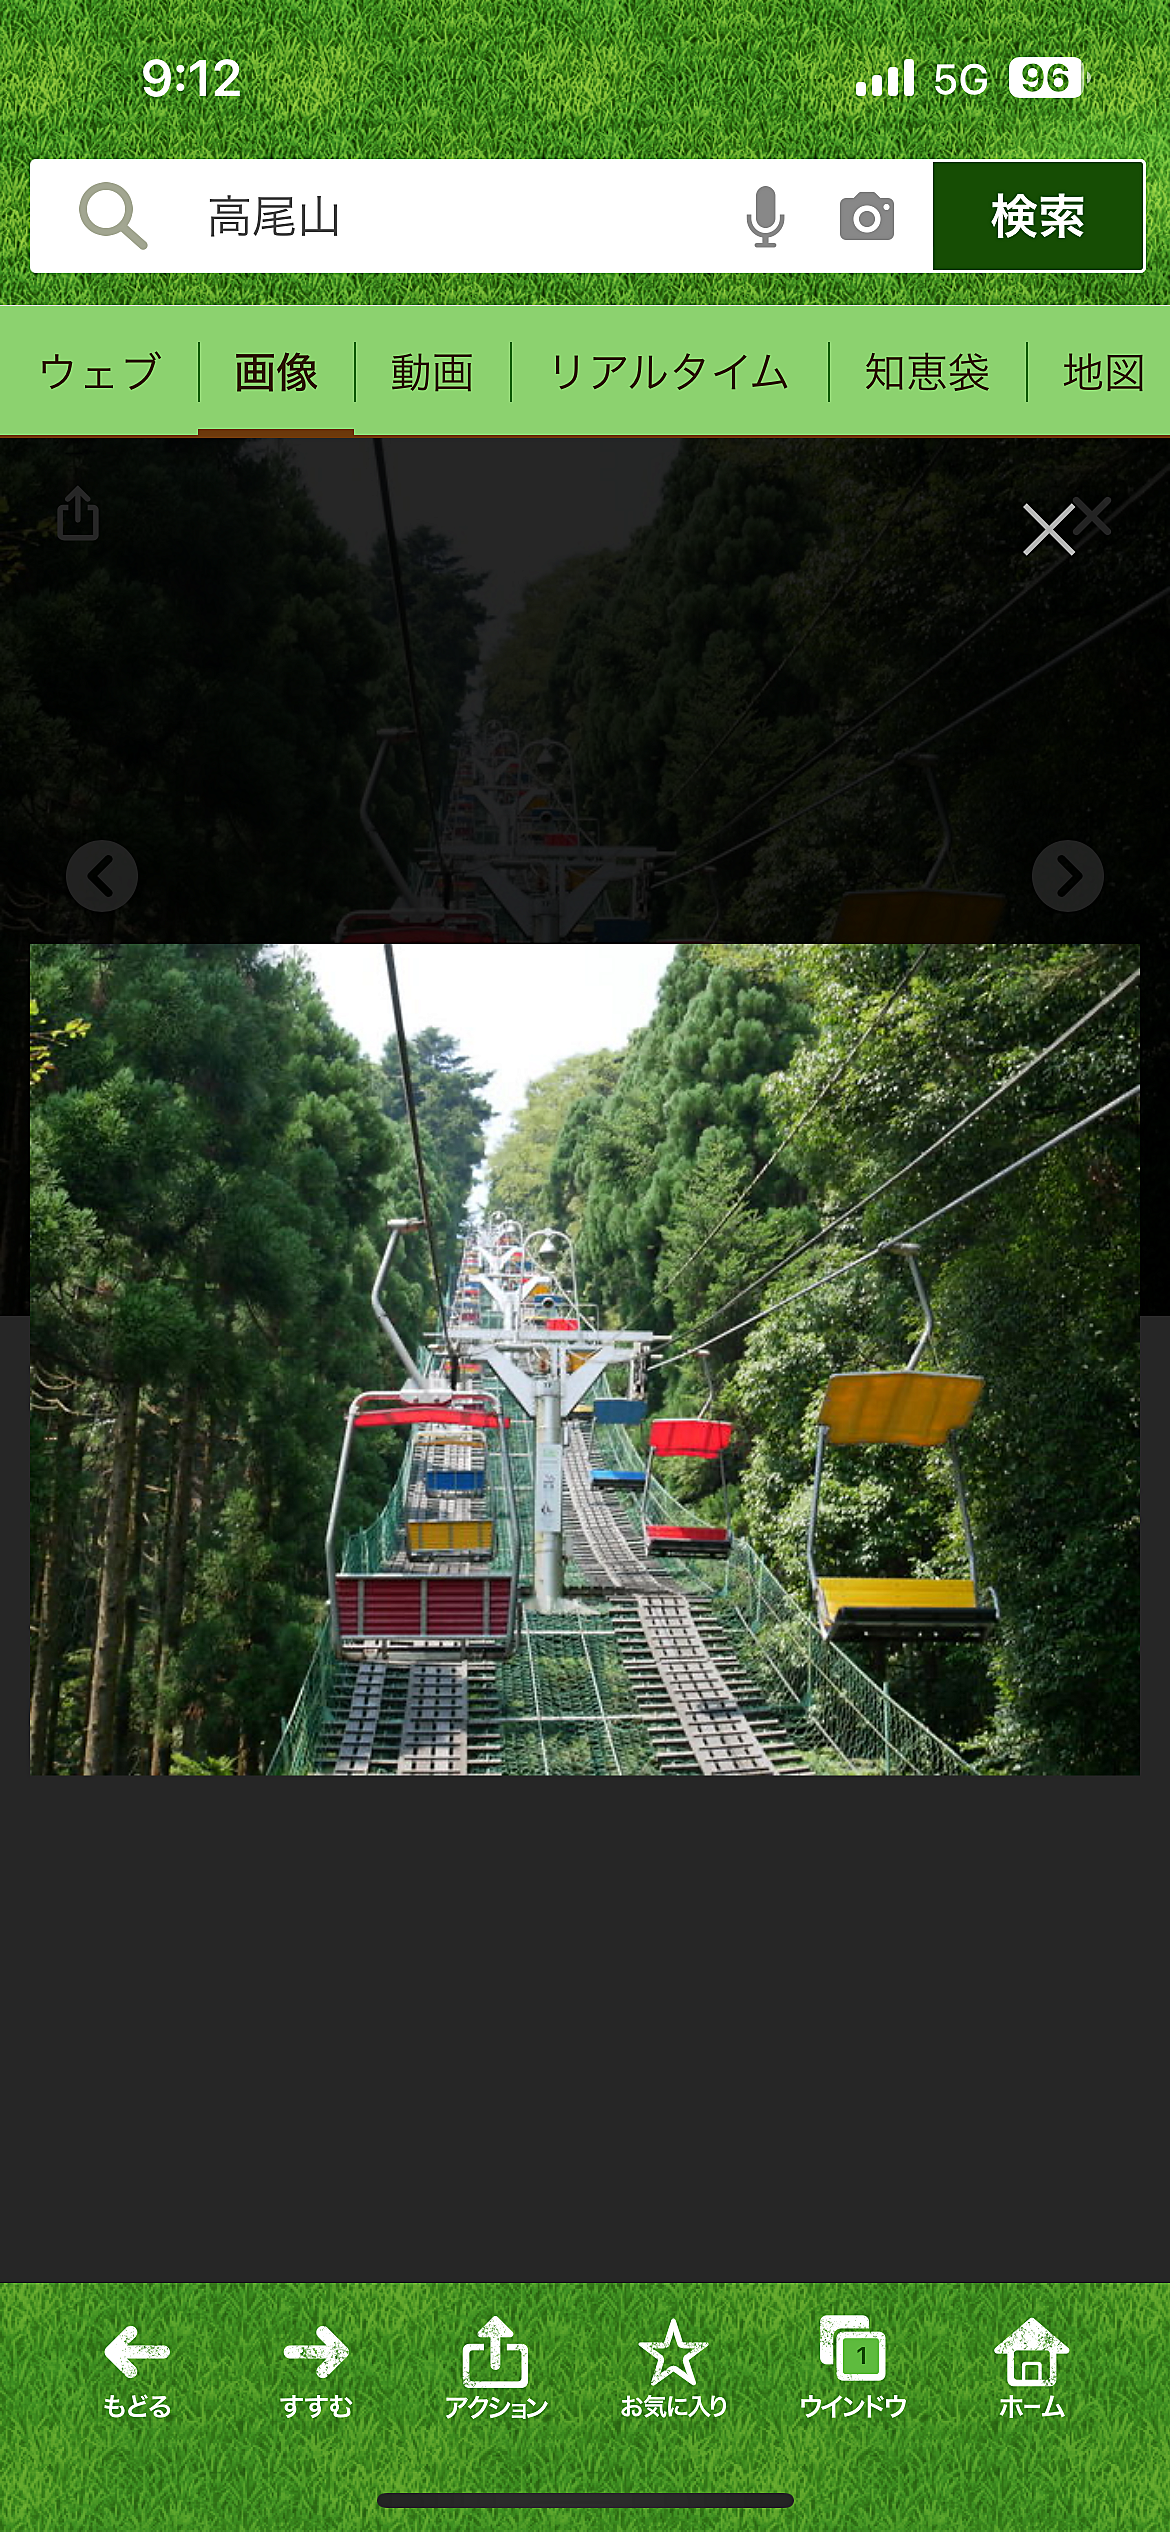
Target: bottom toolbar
{"x": 659, "y": 370}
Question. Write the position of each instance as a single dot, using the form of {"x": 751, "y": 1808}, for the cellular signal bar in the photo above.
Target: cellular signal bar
{"x": 874, "y": 86}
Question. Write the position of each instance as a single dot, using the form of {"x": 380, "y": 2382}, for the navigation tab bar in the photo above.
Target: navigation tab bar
{"x": 77, "y": 373}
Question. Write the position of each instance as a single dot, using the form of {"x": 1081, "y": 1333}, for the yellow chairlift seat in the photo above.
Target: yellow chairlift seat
{"x": 868, "y": 1606}
{"x": 448, "y": 1538}
{"x": 925, "y": 1409}
{"x": 917, "y": 914}
{"x": 919, "y": 1407}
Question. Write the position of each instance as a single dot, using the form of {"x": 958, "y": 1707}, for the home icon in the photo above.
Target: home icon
{"x": 1031, "y": 2353}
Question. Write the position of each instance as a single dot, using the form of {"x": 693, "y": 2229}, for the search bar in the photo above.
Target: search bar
{"x": 481, "y": 215}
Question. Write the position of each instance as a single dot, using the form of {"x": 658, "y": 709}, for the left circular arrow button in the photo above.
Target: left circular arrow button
{"x": 101, "y": 876}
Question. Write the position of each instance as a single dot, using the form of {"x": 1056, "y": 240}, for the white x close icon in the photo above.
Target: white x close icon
{"x": 1048, "y": 527}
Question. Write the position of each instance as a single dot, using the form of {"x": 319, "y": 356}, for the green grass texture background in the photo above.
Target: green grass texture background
{"x": 568, "y": 79}
{"x": 228, "y": 2455}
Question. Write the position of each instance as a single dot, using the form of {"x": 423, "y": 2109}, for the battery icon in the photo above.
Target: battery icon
{"x": 1046, "y": 75}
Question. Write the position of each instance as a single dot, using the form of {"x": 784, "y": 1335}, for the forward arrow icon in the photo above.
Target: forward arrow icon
{"x": 119, "y": 2351}
{"x": 332, "y": 2351}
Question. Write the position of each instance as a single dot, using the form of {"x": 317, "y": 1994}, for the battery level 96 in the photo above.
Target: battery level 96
{"x": 1046, "y": 75}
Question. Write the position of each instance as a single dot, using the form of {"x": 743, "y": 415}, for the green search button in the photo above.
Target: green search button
{"x": 1039, "y": 215}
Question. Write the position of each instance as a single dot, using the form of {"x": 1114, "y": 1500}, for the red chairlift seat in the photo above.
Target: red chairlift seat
{"x": 675, "y": 1538}
{"x": 479, "y": 1419}
{"x": 685, "y": 1437}
{"x": 441, "y": 932}
{"x": 445, "y": 1614}
{"x": 688, "y": 1437}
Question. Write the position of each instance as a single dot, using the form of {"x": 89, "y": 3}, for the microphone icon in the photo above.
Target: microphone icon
{"x": 768, "y": 221}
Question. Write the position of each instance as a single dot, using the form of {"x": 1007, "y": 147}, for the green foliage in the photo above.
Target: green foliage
{"x": 688, "y": 1098}
{"x": 444, "y": 616}
{"x": 451, "y": 1118}
{"x": 743, "y": 686}
{"x": 212, "y": 1165}
{"x": 206, "y": 685}
{"x": 520, "y": 1175}
{"x": 1034, "y": 1288}
{"x": 42, "y": 1040}
{"x": 516, "y": 677}
{"x": 740, "y": 1122}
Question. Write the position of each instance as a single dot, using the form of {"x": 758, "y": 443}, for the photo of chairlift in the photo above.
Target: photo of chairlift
{"x": 924, "y": 1410}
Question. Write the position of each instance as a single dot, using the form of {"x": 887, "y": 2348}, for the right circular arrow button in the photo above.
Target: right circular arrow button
{"x": 1068, "y": 876}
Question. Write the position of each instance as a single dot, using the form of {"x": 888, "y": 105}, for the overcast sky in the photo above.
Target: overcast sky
{"x": 512, "y": 508}
{"x": 515, "y": 1010}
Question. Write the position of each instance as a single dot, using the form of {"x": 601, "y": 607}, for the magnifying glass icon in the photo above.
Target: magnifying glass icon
{"x": 121, "y": 228}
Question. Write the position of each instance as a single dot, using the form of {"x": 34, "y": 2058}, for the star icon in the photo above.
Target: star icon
{"x": 686, "y": 2348}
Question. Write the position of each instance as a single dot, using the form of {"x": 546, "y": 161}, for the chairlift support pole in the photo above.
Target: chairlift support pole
{"x": 548, "y": 1558}
{"x": 818, "y": 1472}
{"x": 396, "y": 1229}
{"x": 548, "y": 1393}
{"x": 909, "y": 1250}
{"x": 411, "y": 906}
{"x": 946, "y": 850}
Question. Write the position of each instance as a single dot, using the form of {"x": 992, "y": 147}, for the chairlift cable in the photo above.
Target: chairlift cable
{"x": 835, "y": 1272}
{"x": 673, "y": 797}
{"x": 822, "y": 1093}
{"x": 693, "y": 870}
{"x": 785, "y": 781}
{"x": 834, "y": 1223}
{"x": 412, "y": 1120}
{"x": 407, "y": 652}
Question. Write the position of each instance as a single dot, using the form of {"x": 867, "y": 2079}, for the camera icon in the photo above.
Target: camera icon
{"x": 867, "y": 215}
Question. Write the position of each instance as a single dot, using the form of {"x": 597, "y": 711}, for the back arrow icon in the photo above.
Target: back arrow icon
{"x": 332, "y": 2351}
{"x": 118, "y": 2351}
{"x": 95, "y": 875}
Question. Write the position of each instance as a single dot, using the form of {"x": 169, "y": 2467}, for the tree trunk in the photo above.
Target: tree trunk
{"x": 205, "y": 1487}
{"x": 99, "y": 1733}
{"x": 55, "y": 1571}
{"x": 13, "y": 1126}
{"x": 171, "y": 1609}
{"x": 133, "y": 1601}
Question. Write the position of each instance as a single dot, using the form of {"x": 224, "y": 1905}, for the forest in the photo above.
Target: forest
{"x": 205, "y": 684}
{"x": 213, "y": 1162}
{"x": 746, "y": 684}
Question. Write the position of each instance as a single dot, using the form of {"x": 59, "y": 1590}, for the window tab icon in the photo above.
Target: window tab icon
{"x": 857, "y": 2353}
